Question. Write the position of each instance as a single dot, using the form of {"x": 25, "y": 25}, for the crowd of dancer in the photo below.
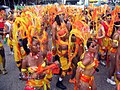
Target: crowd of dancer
{"x": 63, "y": 40}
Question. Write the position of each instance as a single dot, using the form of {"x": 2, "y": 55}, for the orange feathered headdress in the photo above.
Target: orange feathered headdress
{"x": 78, "y": 24}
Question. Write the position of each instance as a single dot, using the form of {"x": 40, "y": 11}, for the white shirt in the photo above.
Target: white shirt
{"x": 9, "y": 25}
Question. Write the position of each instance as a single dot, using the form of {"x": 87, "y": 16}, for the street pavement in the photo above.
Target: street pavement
{"x": 11, "y": 81}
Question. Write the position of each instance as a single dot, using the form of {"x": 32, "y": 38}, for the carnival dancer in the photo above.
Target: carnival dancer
{"x": 17, "y": 34}
{"x": 30, "y": 65}
{"x": 60, "y": 46}
{"x": 76, "y": 50}
{"x": 86, "y": 68}
{"x": 7, "y": 29}
{"x": 117, "y": 74}
{"x": 106, "y": 40}
{"x": 2, "y": 59}
{"x": 100, "y": 35}
{"x": 2, "y": 51}
{"x": 2, "y": 21}
{"x": 115, "y": 41}
{"x": 76, "y": 45}
{"x": 43, "y": 39}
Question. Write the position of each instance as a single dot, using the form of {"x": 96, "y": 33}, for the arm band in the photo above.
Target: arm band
{"x": 23, "y": 70}
{"x": 80, "y": 64}
{"x": 116, "y": 41}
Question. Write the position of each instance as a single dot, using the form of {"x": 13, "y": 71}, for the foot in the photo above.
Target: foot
{"x": 11, "y": 53}
{"x": 4, "y": 72}
{"x": 0, "y": 72}
{"x": 103, "y": 63}
{"x": 60, "y": 85}
{"x": 20, "y": 76}
{"x": 111, "y": 81}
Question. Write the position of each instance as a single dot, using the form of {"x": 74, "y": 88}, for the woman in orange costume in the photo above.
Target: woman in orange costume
{"x": 43, "y": 39}
{"x": 75, "y": 51}
{"x": 100, "y": 35}
{"x": 86, "y": 68}
{"x": 32, "y": 70}
{"x": 116, "y": 40}
{"x": 7, "y": 29}
{"x": 113, "y": 50}
{"x": 15, "y": 36}
{"x": 75, "y": 47}
{"x": 106, "y": 40}
{"x": 60, "y": 42}
{"x": 117, "y": 75}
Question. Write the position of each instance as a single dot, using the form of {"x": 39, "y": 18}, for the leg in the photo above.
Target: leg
{"x": 83, "y": 86}
{"x": 59, "y": 83}
{"x": 112, "y": 69}
{"x": 11, "y": 48}
{"x": 3, "y": 61}
{"x": 75, "y": 61}
{"x": 94, "y": 86}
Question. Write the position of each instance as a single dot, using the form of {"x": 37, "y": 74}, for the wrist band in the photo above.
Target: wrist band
{"x": 53, "y": 47}
{"x": 80, "y": 64}
{"x": 23, "y": 70}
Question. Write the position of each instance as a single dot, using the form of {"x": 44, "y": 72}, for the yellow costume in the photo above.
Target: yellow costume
{"x": 39, "y": 82}
{"x": 61, "y": 33}
{"x": 86, "y": 78}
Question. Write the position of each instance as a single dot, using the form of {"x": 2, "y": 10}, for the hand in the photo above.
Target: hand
{"x": 78, "y": 84}
{"x": 54, "y": 49}
{"x": 56, "y": 62}
{"x": 34, "y": 75}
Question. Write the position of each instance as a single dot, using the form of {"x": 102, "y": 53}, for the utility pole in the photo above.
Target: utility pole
{"x": 4, "y": 2}
{"x": 86, "y": 3}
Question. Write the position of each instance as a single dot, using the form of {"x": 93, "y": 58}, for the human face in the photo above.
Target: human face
{"x": 62, "y": 16}
{"x": 35, "y": 47}
{"x": 42, "y": 26}
{"x": 109, "y": 18}
{"x": 93, "y": 47}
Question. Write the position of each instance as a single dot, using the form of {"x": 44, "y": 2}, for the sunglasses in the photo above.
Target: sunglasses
{"x": 42, "y": 24}
{"x": 62, "y": 14}
{"x": 93, "y": 46}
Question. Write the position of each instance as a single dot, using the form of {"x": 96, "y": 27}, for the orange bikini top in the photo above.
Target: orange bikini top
{"x": 62, "y": 30}
{"x": 35, "y": 68}
{"x": 93, "y": 64}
